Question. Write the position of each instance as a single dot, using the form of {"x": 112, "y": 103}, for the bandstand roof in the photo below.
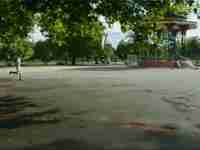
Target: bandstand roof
{"x": 177, "y": 23}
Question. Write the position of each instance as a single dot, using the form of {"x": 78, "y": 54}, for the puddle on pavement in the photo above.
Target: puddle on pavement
{"x": 81, "y": 112}
{"x": 197, "y": 126}
{"x": 151, "y": 129}
{"x": 181, "y": 103}
{"x": 148, "y": 91}
{"x": 18, "y": 112}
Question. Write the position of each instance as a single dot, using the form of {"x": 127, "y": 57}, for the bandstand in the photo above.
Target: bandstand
{"x": 173, "y": 30}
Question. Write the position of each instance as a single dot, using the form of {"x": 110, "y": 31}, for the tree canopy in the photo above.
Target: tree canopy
{"x": 74, "y": 22}
{"x": 17, "y": 16}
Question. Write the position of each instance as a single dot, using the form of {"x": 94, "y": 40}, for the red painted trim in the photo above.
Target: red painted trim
{"x": 159, "y": 63}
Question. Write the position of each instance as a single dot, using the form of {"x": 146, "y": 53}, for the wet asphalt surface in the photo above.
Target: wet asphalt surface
{"x": 104, "y": 107}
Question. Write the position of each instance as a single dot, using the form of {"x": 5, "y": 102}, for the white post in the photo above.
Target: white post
{"x": 18, "y": 68}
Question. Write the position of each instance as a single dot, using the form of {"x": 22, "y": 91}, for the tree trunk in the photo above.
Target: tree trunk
{"x": 88, "y": 59}
{"x": 96, "y": 60}
{"x": 73, "y": 60}
{"x": 66, "y": 60}
{"x": 108, "y": 60}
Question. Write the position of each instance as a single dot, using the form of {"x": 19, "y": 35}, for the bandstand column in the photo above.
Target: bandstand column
{"x": 183, "y": 40}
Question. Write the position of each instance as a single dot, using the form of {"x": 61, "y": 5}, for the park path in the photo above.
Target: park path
{"x": 109, "y": 108}
{"x": 6, "y": 87}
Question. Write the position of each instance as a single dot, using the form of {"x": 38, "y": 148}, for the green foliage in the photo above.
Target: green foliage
{"x": 73, "y": 25}
{"x": 15, "y": 20}
{"x": 84, "y": 39}
{"x": 192, "y": 48}
{"x": 123, "y": 49}
{"x": 24, "y": 48}
{"x": 107, "y": 52}
{"x": 147, "y": 48}
{"x": 43, "y": 50}
{"x": 15, "y": 24}
{"x": 18, "y": 48}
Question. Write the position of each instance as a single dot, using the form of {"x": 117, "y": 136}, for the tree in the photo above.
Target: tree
{"x": 62, "y": 19}
{"x": 192, "y": 48}
{"x": 15, "y": 20}
{"x": 105, "y": 53}
{"x": 23, "y": 47}
{"x": 66, "y": 19}
{"x": 43, "y": 50}
{"x": 82, "y": 39}
{"x": 15, "y": 24}
{"x": 123, "y": 49}
{"x": 18, "y": 48}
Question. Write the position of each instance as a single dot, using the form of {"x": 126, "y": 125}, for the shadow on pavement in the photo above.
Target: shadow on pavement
{"x": 18, "y": 112}
{"x": 66, "y": 144}
{"x": 147, "y": 143}
{"x": 105, "y": 68}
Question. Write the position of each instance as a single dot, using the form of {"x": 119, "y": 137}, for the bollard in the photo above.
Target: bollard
{"x": 18, "y": 68}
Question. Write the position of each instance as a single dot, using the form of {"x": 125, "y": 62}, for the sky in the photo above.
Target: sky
{"x": 36, "y": 35}
{"x": 194, "y": 32}
{"x": 115, "y": 35}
